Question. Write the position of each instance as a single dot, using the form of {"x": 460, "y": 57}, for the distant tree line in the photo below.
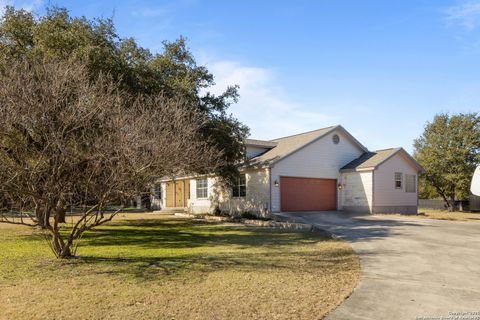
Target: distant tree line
{"x": 449, "y": 151}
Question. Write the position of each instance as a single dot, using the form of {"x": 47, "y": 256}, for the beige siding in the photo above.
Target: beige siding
{"x": 385, "y": 194}
{"x": 256, "y": 199}
{"x": 202, "y": 205}
{"x": 357, "y": 192}
{"x": 257, "y": 195}
{"x": 321, "y": 159}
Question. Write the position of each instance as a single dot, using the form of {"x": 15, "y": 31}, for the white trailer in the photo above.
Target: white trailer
{"x": 475, "y": 187}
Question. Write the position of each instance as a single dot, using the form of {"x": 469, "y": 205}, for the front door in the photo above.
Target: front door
{"x": 180, "y": 193}
{"x": 170, "y": 194}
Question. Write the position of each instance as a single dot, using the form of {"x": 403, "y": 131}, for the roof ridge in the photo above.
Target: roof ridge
{"x": 394, "y": 148}
{"x": 299, "y": 134}
{"x": 262, "y": 140}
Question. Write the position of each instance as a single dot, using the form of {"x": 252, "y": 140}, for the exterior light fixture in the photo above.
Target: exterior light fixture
{"x": 276, "y": 183}
{"x": 340, "y": 186}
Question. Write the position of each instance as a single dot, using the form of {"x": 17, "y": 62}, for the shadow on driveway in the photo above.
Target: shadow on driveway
{"x": 411, "y": 267}
{"x": 351, "y": 226}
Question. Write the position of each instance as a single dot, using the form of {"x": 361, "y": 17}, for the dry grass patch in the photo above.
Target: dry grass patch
{"x": 154, "y": 267}
{"x": 445, "y": 215}
{"x": 440, "y": 215}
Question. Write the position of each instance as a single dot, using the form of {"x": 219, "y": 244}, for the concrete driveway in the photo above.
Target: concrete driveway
{"x": 411, "y": 267}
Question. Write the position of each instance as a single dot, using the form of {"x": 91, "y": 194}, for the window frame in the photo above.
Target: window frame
{"x": 239, "y": 186}
{"x": 414, "y": 176}
{"x": 200, "y": 191}
{"x": 398, "y": 180}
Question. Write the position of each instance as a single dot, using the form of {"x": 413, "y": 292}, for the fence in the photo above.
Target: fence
{"x": 474, "y": 203}
{"x": 439, "y": 204}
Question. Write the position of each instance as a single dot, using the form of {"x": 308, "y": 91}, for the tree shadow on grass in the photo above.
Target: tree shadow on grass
{"x": 148, "y": 234}
{"x": 155, "y": 267}
{"x": 149, "y": 249}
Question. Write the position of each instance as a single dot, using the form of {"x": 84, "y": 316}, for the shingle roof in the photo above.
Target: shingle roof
{"x": 370, "y": 159}
{"x": 260, "y": 143}
{"x": 286, "y": 145}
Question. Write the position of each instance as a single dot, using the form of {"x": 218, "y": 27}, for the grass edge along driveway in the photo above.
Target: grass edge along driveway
{"x": 155, "y": 267}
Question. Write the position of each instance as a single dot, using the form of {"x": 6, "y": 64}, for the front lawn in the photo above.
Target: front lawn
{"x": 155, "y": 267}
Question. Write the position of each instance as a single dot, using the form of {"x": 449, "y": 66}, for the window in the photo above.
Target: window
{"x": 240, "y": 187}
{"x": 398, "y": 180}
{"x": 202, "y": 188}
{"x": 410, "y": 185}
{"x": 158, "y": 191}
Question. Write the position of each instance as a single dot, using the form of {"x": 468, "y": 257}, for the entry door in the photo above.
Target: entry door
{"x": 179, "y": 193}
{"x": 170, "y": 194}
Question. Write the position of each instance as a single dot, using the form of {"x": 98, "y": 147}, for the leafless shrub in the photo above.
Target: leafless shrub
{"x": 66, "y": 140}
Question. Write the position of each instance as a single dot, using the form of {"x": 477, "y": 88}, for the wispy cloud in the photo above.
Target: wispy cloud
{"x": 151, "y": 12}
{"x": 31, "y": 5}
{"x": 3, "y": 4}
{"x": 25, "y": 5}
{"x": 465, "y": 14}
{"x": 264, "y": 104}
{"x": 161, "y": 10}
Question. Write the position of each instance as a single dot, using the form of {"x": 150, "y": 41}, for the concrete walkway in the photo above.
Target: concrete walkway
{"x": 411, "y": 267}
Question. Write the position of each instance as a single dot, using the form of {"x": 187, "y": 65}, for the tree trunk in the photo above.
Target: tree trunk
{"x": 42, "y": 214}
{"x": 62, "y": 251}
{"x": 61, "y": 214}
{"x": 449, "y": 203}
{"x": 60, "y": 211}
{"x": 59, "y": 246}
{"x": 452, "y": 205}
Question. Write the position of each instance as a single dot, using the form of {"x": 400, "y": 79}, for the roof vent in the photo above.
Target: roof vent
{"x": 335, "y": 138}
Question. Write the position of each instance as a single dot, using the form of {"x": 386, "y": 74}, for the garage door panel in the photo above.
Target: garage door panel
{"x": 307, "y": 194}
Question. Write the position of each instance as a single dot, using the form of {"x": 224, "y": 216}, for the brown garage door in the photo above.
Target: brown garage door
{"x": 307, "y": 194}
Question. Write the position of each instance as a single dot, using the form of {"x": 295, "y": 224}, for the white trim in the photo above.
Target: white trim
{"x": 202, "y": 188}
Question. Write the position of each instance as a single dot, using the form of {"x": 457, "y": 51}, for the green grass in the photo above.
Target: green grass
{"x": 153, "y": 267}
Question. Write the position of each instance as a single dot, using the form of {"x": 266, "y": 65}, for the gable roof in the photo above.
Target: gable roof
{"x": 371, "y": 160}
{"x": 286, "y": 146}
{"x": 260, "y": 143}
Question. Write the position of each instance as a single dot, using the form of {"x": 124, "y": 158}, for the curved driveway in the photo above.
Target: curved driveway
{"x": 411, "y": 267}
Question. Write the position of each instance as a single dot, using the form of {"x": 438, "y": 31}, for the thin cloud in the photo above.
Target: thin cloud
{"x": 465, "y": 14}
{"x": 162, "y": 10}
{"x": 25, "y": 5}
{"x": 264, "y": 105}
{"x": 31, "y": 5}
{"x": 3, "y": 5}
{"x": 152, "y": 12}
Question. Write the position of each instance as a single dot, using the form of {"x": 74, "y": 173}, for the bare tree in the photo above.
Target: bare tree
{"x": 68, "y": 140}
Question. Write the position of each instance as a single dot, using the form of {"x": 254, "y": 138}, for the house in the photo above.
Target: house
{"x": 324, "y": 169}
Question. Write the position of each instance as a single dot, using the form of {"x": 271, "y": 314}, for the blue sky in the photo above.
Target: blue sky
{"x": 379, "y": 68}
